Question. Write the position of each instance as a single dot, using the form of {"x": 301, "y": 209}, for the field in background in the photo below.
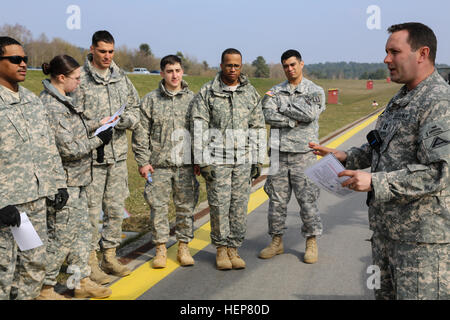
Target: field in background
{"x": 355, "y": 101}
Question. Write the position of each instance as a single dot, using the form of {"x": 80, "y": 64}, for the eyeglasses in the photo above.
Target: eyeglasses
{"x": 16, "y": 59}
{"x": 231, "y": 66}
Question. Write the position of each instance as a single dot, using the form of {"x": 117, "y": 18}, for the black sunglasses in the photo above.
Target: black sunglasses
{"x": 16, "y": 59}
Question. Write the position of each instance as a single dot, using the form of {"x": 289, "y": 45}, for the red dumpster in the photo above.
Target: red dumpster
{"x": 369, "y": 84}
{"x": 333, "y": 96}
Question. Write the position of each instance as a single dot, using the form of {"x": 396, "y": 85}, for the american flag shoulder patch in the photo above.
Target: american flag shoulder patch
{"x": 270, "y": 93}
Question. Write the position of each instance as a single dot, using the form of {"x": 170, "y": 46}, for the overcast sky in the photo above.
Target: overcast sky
{"x": 322, "y": 30}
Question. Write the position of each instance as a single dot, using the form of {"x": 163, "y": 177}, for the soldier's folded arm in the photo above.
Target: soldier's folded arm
{"x": 272, "y": 115}
{"x": 303, "y": 110}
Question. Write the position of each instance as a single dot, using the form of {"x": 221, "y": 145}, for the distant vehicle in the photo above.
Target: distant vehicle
{"x": 141, "y": 71}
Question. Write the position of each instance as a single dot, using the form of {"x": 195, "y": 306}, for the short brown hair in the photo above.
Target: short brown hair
{"x": 420, "y": 35}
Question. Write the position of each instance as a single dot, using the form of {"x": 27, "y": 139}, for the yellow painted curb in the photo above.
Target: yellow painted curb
{"x": 145, "y": 277}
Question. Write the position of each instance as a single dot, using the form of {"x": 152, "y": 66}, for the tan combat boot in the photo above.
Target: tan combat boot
{"x": 274, "y": 248}
{"x": 160, "y": 259}
{"x": 222, "y": 260}
{"x": 311, "y": 252}
{"x": 89, "y": 289}
{"x": 48, "y": 293}
{"x": 111, "y": 265}
{"x": 183, "y": 255}
{"x": 97, "y": 274}
{"x": 236, "y": 261}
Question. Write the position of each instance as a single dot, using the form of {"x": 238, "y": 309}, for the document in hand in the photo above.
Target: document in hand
{"x": 113, "y": 123}
{"x": 324, "y": 173}
{"x": 26, "y": 236}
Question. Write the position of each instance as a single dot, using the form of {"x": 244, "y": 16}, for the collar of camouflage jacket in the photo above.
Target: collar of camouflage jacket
{"x": 404, "y": 97}
{"x": 116, "y": 73}
{"x": 164, "y": 91}
{"x": 51, "y": 90}
{"x": 286, "y": 86}
{"x": 9, "y": 97}
{"x": 217, "y": 84}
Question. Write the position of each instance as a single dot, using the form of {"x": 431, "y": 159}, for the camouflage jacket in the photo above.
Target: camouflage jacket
{"x": 295, "y": 112}
{"x": 71, "y": 135}
{"x": 30, "y": 165}
{"x": 226, "y": 124}
{"x": 162, "y": 137}
{"x": 410, "y": 174}
{"x": 97, "y": 98}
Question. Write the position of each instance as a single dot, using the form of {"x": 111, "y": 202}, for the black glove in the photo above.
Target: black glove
{"x": 61, "y": 199}
{"x": 256, "y": 171}
{"x": 101, "y": 154}
{"x": 106, "y": 135}
{"x": 9, "y": 216}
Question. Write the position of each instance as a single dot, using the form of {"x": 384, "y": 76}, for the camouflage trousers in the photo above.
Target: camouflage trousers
{"x": 108, "y": 191}
{"x": 228, "y": 195}
{"x": 179, "y": 184}
{"x": 69, "y": 236}
{"x": 290, "y": 176}
{"x": 23, "y": 271}
{"x": 411, "y": 271}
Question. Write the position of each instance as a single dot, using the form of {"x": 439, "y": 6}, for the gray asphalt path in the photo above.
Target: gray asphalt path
{"x": 341, "y": 272}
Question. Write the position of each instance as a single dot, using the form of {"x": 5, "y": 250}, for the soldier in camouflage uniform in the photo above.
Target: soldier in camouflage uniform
{"x": 31, "y": 174}
{"x": 225, "y": 115}
{"x": 292, "y": 108}
{"x": 104, "y": 89}
{"x": 161, "y": 144}
{"x": 409, "y": 181}
{"x": 69, "y": 229}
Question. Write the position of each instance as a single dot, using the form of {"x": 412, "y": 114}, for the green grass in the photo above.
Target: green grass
{"x": 354, "y": 102}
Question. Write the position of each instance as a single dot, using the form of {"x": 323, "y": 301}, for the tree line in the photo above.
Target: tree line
{"x": 41, "y": 49}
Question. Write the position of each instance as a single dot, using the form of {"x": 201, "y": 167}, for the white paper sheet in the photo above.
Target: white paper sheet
{"x": 26, "y": 236}
{"x": 112, "y": 124}
{"x": 324, "y": 173}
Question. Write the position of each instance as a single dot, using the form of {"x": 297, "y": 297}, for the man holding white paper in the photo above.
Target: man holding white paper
{"x": 30, "y": 172}
{"x": 103, "y": 90}
{"x": 409, "y": 156}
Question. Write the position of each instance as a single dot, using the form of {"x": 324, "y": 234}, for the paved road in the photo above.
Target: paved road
{"x": 344, "y": 256}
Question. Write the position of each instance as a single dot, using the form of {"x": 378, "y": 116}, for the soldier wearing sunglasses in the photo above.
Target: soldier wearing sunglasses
{"x": 30, "y": 172}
